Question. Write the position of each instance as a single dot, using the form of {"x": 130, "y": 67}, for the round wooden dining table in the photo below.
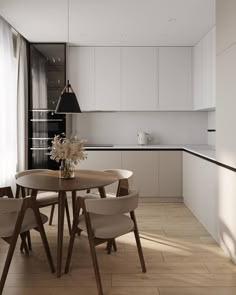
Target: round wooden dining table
{"x": 50, "y": 181}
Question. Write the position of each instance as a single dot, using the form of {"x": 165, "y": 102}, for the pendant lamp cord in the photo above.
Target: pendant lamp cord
{"x": 68, "y": 21}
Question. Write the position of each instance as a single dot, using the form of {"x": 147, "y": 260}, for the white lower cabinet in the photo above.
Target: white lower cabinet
{"x": 144, "y": 166}
{"x": 156, "y": 173}
{"x": 170, "y": 174}
{"x": 200, "y": 190}
{"x": 101, "y": 160}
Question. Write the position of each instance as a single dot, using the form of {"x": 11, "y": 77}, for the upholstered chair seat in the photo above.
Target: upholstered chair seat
{"x": 107, "y": 227}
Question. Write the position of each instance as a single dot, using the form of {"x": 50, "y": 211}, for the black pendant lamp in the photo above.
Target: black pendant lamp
{"x": 68, "y": 103}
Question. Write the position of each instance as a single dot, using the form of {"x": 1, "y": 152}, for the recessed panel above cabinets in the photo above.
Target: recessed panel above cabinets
{"x": 132, "y": 78}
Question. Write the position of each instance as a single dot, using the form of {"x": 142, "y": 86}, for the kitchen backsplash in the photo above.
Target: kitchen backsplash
{"x": 122, "y": 127}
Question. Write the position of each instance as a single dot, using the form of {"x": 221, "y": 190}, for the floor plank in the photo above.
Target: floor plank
{"x": 181, "y": 258}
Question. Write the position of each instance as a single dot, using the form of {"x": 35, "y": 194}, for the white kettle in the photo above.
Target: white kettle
{"x": 142, "y": 137}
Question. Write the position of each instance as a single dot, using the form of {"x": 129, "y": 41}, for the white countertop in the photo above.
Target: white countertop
{"x": 203, "y": 150}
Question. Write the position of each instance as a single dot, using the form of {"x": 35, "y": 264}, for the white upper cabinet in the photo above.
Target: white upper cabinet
{"x": 138, "y": 78}
{"x": 81, "y": 75}
{"x": 204, "y": 59}
{"x": 107, "y": 78}
{"x": 175, "y": 78}
{"x": 213, "y": 67}
{"x": 132, "y": 78}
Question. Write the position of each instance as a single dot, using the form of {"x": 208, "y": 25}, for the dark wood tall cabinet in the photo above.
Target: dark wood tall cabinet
{"x": 47, "y": 78}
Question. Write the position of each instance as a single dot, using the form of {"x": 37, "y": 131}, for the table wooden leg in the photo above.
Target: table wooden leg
{"x": 102, "y": 192}
{"x": 61, "y": 213}
{"x": 73, "y": 202}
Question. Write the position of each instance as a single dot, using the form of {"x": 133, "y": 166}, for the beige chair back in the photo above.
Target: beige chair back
{"x": 8, "y": 205}
{"x": 112, "y": 206}
{"x": 121, "y": 173}
{"x": 123, "y": 183}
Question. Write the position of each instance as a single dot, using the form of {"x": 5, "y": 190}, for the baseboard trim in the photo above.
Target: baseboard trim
{"x": 161, "y": 199}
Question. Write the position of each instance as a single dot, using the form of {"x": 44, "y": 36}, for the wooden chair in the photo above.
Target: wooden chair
{"x": 123, "y": 182}
{"x": 45, "y": 199}
{"x": 18, "y": 216}
{"x": 122, "y": 190}
{"x": 104, "y": 220}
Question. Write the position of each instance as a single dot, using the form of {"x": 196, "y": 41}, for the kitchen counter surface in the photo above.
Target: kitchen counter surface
{"x": 206, "y": 152}
{"x": 203, "y": 150}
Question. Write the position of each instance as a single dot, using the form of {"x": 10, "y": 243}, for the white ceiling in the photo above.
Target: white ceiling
{"x": 111, "y": 22}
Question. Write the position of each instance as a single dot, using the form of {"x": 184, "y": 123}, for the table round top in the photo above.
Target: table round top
{"x": 50, "y": 181}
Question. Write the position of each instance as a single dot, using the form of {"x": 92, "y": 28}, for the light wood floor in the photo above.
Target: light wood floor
{"x": 181, "y": 259}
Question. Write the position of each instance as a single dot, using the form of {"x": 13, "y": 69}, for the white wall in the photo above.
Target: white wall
{"x": 211, "y": 125}
{"x": 122, "y": 127}
{"x": 226, "y": 121}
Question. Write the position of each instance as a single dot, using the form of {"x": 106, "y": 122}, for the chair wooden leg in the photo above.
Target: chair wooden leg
{"x": 68, "y": 216}
{"x": 74, "y": 230}
{"x": 8, "y": 261}
{"x": 95, "y": 264}
{"x": 46, "y": 247}
{"x": 138, "y": 242}
{"x": 24, "y": 245}
{"x": 109, "y": 247}
{"x": 140, "y": 251}
{"x": 29, "y": 240}
{"x": 28, "y": 243}
{"x": 111, "y": 244}
{"x": 51, "y": 214}
{"x": 70, "y": 248}
{"x": 41, "y": 230}
{"x": 114, "y": 245}
{"x": 21, "y": 247}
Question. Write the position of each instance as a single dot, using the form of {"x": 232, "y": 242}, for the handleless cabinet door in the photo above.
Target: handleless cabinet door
{"x": 170, "y": 174}
{"x": 175, "y": 78}
{"x": 197, "y": 76}
{"x": 139, "y": 78}
{"x": 81, "y": 75}
{"x": 144, "y": 166}
{"x": 204, "y": 60}
{"x": 213, "y": 68}
{"x": 107, "y": 78}
{"x": 200, "y": 191}
{"x": 101, "y": 160}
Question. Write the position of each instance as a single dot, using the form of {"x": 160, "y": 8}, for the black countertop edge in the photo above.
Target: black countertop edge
{"x": 134, "y": 149}
{"x": 210, "y": 160}
{"x": 167, "y": 149}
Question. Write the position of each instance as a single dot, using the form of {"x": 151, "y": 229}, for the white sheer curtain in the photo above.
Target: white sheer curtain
{"x": 22, "y": 106}
{"x": 8, "y": 106}
{"x": 13, "y": 108}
